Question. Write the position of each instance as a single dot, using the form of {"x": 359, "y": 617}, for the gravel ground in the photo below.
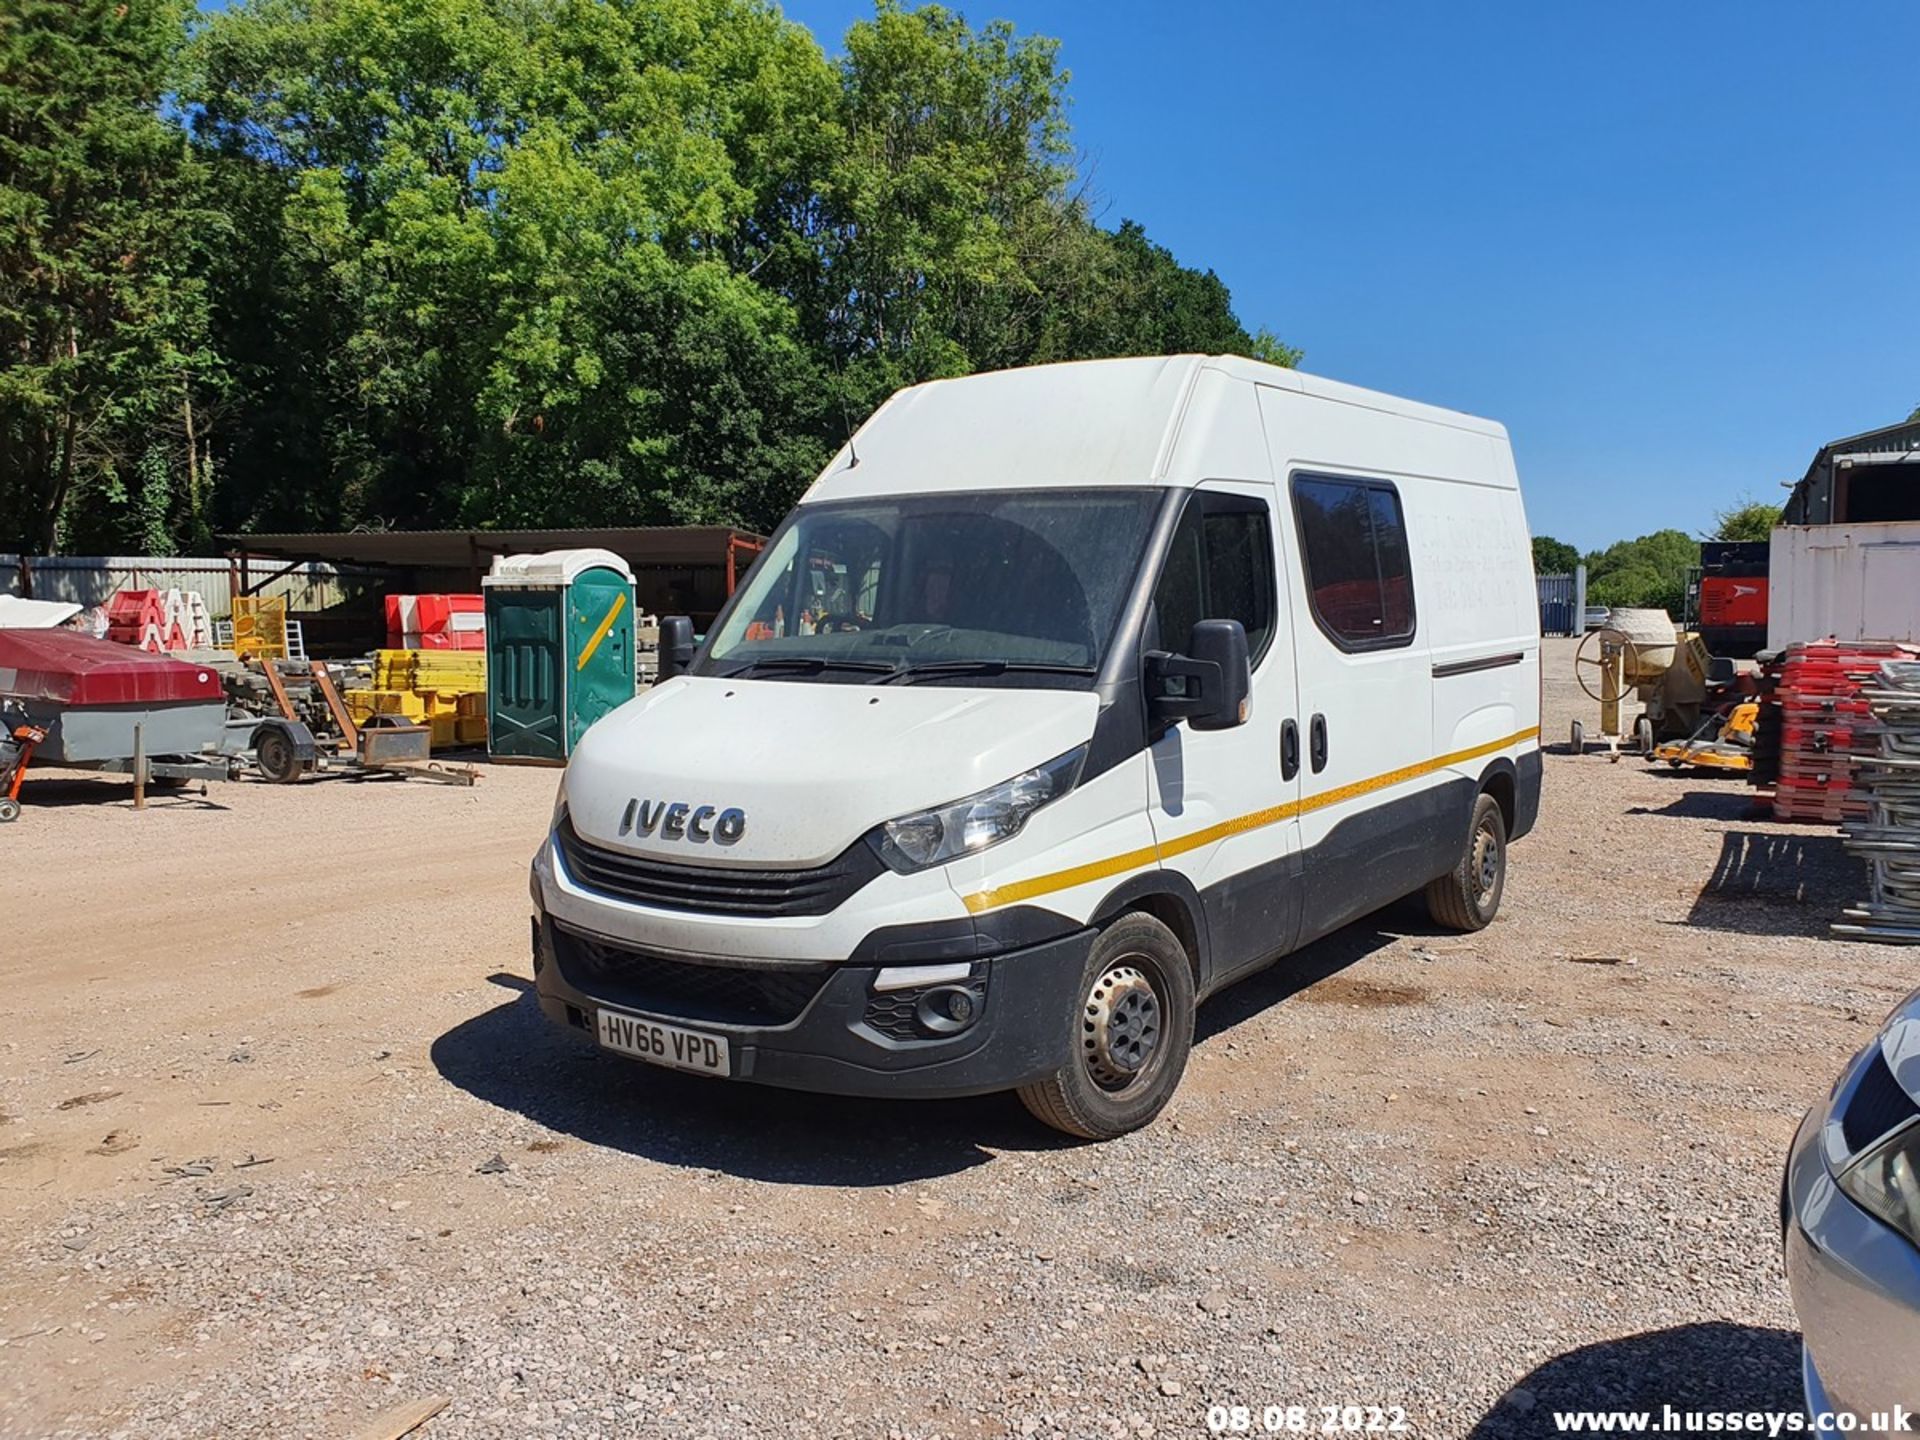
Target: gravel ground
{"x": 1469, "y": 1177}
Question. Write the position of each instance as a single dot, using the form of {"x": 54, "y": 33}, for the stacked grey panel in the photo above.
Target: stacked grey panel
{"x": 1889, "y": 838}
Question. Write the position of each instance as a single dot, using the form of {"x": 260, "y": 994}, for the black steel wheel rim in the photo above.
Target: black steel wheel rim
{"x": 1122, "y": 1021}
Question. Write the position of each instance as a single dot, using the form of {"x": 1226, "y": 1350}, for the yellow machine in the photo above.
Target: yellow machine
{"x": 1729, "y": 747}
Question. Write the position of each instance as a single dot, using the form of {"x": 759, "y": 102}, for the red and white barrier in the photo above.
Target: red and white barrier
{"x": 436, "y": 622}
{"x": 162, "y": 621}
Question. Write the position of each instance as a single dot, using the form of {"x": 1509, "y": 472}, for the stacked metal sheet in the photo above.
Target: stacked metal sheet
{"x": 1888, "y": 838}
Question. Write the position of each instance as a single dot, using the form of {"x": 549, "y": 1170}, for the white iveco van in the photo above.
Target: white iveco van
{"x": 1064, "y": 698}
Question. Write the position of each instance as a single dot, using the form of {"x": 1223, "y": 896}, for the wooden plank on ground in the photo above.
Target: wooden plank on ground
{"x": 402, "y": 1419}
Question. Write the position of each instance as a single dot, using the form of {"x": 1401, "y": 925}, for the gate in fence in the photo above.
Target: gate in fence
{"x": 1563, "y": 602}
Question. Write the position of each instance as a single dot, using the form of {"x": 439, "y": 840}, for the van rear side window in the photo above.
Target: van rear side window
{"x": 1353, "y": 535}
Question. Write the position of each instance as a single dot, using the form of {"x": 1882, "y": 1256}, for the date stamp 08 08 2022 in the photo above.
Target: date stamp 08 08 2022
{"x": 1307, "y": 1420}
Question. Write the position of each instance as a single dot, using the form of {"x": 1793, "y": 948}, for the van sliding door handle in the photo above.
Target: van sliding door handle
{"x": 1289, "y": 750}
{"x": 1317, "y": 743}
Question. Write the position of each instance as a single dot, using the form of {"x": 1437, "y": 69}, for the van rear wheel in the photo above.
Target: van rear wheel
{"x": 1468, "y": 896}
{"x": 1131, "y": 1030}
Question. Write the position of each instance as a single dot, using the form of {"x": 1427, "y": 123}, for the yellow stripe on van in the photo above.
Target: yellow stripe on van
{"x": 586, "y": 654}
{"x": 1019, "y": 890}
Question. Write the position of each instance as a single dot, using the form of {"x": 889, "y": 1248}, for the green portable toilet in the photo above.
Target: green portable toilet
{"x": 560, "y": 650}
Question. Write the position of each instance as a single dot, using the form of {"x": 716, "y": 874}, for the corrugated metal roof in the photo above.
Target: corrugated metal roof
{"x": 642, "y": 545}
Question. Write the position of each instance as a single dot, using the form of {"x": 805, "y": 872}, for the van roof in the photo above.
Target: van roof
{"x": 1085, "y": 422}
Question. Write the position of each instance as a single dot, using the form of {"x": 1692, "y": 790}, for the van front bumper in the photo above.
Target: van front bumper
{"x": 830, "y": 1028}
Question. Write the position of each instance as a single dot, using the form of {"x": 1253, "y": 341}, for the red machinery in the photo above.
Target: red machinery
{"x": 16, "y": 749}
{"x": 1731, "y": 603}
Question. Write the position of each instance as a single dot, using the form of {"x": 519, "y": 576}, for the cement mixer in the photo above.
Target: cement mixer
{"x": 1640, "y": 653}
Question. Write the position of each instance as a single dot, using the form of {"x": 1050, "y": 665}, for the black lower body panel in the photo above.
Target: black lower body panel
{"x": 1526, "y": 793}
{"x": 825, "y": 1027}
{"x": 1388, "y": 850}
{"x": 1252, "y": 919}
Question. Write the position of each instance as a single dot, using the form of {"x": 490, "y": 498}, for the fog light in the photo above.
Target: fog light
{"x": 947, "y": 1010}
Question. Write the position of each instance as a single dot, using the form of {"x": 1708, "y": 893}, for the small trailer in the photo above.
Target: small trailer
{"x": 104, "y": 705}
{"x": 95, "y": 705}
{"x": 287, "y": 747}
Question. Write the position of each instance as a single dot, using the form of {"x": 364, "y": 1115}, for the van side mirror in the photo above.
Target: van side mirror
{"x": 1210, "y": 685}
{"x": 676, "y": 646}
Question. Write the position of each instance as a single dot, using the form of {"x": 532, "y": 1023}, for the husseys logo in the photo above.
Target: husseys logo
{"x": 677, "y": 820}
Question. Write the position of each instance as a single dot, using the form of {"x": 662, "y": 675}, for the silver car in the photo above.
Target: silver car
{"x": 1850, "y": 1207}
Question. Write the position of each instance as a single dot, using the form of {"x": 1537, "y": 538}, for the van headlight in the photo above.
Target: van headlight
{"x": 1885, "y": 1181}
{"x": 559, "y": 803}
{"x": 933, "y": 837}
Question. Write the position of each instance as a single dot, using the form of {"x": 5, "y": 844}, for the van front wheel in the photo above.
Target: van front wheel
{"x": 1130, "y": 1034}
{"x": 1468, "y": 896}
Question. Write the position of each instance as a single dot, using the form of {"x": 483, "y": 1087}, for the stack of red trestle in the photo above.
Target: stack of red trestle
{"x": 159, "y": 620}
{"x": 436, "y": 622}
{"x": 1826, "y": 727}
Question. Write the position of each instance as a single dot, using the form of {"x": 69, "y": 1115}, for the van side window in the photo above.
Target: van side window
{"x": 1219, "y": 567}
{"x": 1353, "y": 535}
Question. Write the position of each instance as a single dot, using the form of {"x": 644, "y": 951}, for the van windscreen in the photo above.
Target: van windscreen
{"x": 1007, "y": 586}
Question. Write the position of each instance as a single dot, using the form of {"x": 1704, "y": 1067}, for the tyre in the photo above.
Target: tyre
{"x": 1577, "y": 738}
{"x": 1131, "y": 1028}
{"x": 1643, "y": 735}
{"x": 9, "y": 809}
{"x": 273, "y": 752}
{"x": 1467, "y": 897}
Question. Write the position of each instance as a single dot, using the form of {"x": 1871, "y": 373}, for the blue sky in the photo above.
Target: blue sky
{"x": 1672, "y": 246}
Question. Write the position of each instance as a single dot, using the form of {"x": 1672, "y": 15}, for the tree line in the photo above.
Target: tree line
{"x": 1652, "y": 569}
{"x": 323, "y": 264}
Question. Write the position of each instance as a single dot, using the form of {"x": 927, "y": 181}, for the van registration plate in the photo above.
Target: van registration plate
{"x": 664, "y": 1044}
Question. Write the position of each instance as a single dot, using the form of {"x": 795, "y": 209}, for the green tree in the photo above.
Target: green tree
{"x": 1271, "y": 348}
{"x": 1106, "y": 293}
{"x": 1750, "y": 520}
{"x": 509, "y": 249}
{"x": 950, "y": 174}
{"x": 102, "y": 317}
{"x": 594, "y": 261}
{"x": 1553, "y": 557}
{"x": 1649, "y": 571}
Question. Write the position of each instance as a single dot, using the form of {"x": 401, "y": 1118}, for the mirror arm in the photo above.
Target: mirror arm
{"x": 1163, "y": 663}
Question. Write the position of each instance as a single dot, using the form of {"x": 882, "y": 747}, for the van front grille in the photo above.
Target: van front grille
{"x": 684, "y": 989}
{"x": 714, "y": 889}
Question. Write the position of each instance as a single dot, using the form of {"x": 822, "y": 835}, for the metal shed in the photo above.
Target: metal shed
{"x": 1871, "y": 478}
{"x": 677, "y": 569}
{"x": 1845, "y": 560}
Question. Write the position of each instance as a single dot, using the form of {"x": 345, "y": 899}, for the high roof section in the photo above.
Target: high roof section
{"x": 1090, "y": 422}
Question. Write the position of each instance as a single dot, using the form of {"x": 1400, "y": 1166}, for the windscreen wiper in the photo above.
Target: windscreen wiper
{"x": 933, "y": 670}
{"x": 808, "y": 665}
